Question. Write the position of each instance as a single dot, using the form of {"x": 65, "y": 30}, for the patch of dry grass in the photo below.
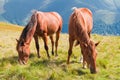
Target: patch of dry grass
{"x": 9, "y": 27}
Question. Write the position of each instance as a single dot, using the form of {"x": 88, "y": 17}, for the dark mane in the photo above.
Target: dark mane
{"x": 29, "y": 28}
{"x": 25, "y": 31}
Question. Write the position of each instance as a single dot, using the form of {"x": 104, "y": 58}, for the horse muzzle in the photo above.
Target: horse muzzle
{"x": 22, "y": 62}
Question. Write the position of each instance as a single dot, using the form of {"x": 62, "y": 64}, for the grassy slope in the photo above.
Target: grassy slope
{"x": 108, "y": 58}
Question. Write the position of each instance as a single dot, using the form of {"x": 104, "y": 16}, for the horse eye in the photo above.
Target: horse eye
{"x": 22, "y": 43}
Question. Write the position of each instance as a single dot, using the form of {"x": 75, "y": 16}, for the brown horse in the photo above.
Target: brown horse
{"x": 80, "y": 26}
{"x": 42, "y": 24}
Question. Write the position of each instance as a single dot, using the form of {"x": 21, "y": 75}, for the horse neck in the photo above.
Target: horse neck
{"x": 85, "y": 38}
{"x": 80, "y": 27}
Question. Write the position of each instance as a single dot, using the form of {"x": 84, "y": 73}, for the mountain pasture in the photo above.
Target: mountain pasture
{"x": 108, "y": 59}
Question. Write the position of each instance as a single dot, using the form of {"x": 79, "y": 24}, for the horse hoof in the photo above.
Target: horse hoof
{"x": 56, "y": 55}
{"x": 68, "y": 63}
{"x": 81, "y": 60}
{"x": 39, "y": 56}
{"x": 84, "y": 67}
{"x": 48, "y": 57}
{"x": 53, "y": 53}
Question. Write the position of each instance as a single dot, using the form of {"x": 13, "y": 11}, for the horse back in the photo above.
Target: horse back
{"x": 55, "y": 14}
{"x": 48, "y": 16}
{"x": 83, "y": 18}
{"x": 49, "y": 22}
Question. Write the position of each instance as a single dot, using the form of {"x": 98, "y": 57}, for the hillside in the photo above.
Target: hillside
{"x": 9, "y": 27}
{"x": 108, "y": 58}
{"x": 105, "y": 12}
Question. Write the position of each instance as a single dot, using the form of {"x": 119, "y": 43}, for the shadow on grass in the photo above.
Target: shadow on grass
{"x": 43, "y": 63}
{"x": 9, "y": 60}
{"x": 32, "y": 55}
{"x": 52, "y": 64}
{"x": 13, "y": 60}
{"x": 72, "y": 62}
{"x": 80, "y": 71}
{"x": 47, "y": 63}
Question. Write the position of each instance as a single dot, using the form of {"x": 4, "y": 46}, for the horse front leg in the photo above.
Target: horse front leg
{"x": 84, "y": 63}
{"x": 56, "y": 43}
{"x": 82, "y": 59}
{"x": 45, "y": 39}
{"x": 71, "y": 41}
{"x": 52, "y": 41}
{"x": 37, "y": 45}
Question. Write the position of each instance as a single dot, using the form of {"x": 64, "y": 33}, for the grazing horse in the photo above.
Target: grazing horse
{"x": 42, "y": 24}
{"x": 80, "y": 26}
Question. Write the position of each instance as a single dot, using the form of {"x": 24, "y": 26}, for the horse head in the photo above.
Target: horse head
{"x": 23, "y": 51}
{"x": 90, "y": 54}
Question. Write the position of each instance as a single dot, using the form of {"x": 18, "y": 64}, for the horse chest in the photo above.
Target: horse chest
{"x": 40, "y": 31}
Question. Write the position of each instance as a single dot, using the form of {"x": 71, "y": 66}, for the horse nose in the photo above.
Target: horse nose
{"x": 24, "y": 62}
{"x": 21, "y": 62}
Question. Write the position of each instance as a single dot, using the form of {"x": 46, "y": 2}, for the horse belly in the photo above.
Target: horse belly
{"x": 52, "y": 29}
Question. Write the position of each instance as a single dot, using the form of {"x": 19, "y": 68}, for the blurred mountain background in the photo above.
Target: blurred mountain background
{"x": 106, "y": 13}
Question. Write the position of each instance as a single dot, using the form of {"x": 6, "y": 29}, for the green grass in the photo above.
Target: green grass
{"x": 108, "y": 59}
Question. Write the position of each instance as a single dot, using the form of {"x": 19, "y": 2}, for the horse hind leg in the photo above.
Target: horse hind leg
{"x": 52, "y": 41}
{"x": 37, "y": 45}
{"x": 45, "y": 39}
{"x": 56, "y": 43}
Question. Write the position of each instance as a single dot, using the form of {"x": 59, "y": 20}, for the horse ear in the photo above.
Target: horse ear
{"x": 96, "y": 44}
{"x": 17, "y": 40}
